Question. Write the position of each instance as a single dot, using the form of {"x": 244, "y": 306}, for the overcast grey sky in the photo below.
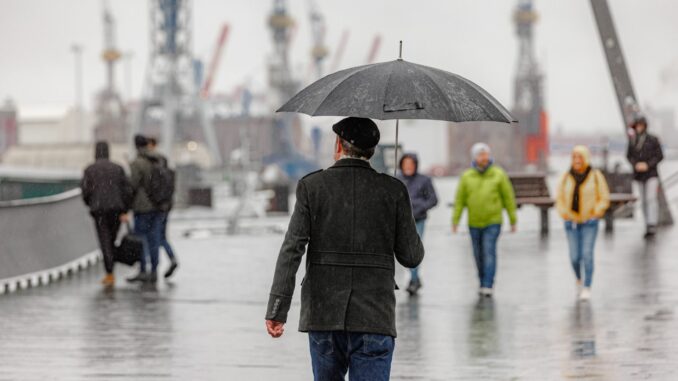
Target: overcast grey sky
{"x": 474, "y": 38}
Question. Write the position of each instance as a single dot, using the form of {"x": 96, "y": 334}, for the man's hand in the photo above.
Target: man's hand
{"x": 455, "y": 228}
{"x": 641, "y": 167}
{"x": 124, "y": 218}
{"x": 275, "y": 328}
{"x": 514, "y": 228}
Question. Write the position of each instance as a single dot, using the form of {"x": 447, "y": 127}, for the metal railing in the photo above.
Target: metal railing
{"x": 44, "y": 239}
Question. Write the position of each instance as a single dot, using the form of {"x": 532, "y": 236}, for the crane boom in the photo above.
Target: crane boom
{"x": 214, "y": 63}
{"x": 626, "y": 97}
{"x": 339, "y": 53}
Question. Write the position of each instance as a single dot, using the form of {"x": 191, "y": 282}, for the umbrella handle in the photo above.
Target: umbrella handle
{"x": 395, "y": 161}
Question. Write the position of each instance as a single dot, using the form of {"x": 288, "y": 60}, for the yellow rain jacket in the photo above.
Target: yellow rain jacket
{"x": 594, "y": 197}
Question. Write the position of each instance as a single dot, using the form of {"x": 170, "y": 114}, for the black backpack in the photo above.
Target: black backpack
{"x": 161, "y": 184}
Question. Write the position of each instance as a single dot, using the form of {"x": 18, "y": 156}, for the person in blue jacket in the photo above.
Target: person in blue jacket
{"x": 423, "y": 197}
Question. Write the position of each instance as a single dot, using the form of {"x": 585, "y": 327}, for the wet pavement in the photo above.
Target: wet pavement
{"x": 207, "y": 323}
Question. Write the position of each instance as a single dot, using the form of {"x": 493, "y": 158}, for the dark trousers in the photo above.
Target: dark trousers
{"x": 147, "y": 226}
{"x": 107, "y": 225}
{"x": 366, "y": 357}
{"x": 164, "y": 243}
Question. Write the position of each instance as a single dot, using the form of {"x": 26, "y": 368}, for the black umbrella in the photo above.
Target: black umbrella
{"x": 398, "y": 90}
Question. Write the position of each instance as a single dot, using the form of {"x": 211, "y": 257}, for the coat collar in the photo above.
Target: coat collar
{"x": 351, "y": 163}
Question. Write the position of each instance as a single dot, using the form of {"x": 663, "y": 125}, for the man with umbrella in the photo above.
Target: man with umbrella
{"x": 356, "y": 223}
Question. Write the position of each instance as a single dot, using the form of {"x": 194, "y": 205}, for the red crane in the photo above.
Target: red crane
{"x": 214, "y": 63}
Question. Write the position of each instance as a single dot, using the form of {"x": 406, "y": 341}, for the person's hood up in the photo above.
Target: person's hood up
{"x": 584, "y": 152}
{"x": 414, "y": 158}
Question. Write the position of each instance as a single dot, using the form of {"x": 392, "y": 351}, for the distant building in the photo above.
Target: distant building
{"x": 54, "y": 125}
{"x": 8, "y": 126}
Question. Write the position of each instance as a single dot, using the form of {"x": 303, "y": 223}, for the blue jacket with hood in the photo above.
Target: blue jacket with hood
{"x": 420, "y": 187}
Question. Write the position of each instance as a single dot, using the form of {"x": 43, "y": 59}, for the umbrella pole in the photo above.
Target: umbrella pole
{"x": 395, "y": 161}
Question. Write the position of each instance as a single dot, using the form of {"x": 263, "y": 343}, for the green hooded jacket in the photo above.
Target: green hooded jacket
{"x": 485, "y": 195}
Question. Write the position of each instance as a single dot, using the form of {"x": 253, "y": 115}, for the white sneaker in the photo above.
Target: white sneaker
{"x": 485, "y": 291}
{"x": 585, "y": 293}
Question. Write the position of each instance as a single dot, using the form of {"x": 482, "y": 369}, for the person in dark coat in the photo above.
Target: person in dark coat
{"x": 356, "y": 223}
{"x": 165, "y": 209}
{"x": 147, "y": 215}
{"x": 108, "y": 194}
{"x": 645, "y": 153}
{"x": 423, "y": 197}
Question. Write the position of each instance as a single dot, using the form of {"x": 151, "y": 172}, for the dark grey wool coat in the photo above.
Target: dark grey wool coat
{"x": 356, "y": 222}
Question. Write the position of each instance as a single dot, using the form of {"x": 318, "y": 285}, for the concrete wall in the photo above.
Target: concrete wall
{"x": 43, "y": 239}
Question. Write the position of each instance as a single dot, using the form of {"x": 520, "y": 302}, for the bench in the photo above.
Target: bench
{"x": 531, "y": 189}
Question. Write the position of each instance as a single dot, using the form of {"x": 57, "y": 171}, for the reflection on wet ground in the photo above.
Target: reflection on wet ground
{"x": 207, "y": 324}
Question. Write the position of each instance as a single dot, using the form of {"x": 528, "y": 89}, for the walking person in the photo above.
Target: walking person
{"x": 582, "y": 200}
{"x": 147, "y": 215}
{"x": 165, "y": 210}
{"x": 486, "y": 191}
{"x": 356, "y": 223}
{"x": 108, "y": 194}
{"x": 423, "y": 198}
{"x": 645, "y": 153}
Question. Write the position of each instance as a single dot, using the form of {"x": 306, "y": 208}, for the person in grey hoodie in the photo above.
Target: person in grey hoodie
{"x": 423, "y": 197}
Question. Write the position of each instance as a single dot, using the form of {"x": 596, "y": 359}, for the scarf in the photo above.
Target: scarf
{"x": 579, "y": 178}
{"x": 482, "y": 170}
{"x": 639, "y": 141}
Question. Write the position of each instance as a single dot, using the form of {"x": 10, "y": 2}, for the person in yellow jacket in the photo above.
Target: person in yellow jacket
{"x": 582, "y": 199}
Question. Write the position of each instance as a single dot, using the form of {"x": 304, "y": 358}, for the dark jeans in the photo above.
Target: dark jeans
{"x": 164, "y": 243}
{"x": 484, "y": 242}
{"x": 581, "y": 239}
{"x": 366, "y": 357}
{"x": 107, "y": 225}
{"x": 147, "y": 226}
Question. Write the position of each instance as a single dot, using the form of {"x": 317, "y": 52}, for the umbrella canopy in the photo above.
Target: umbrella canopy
{"x": 398, "y": 90}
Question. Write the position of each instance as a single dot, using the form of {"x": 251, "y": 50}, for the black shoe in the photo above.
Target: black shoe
{"x": 413, "y": 287}
{"x": 151, "y": 277}
{"x": 141, "y": 277}
{"x": 171, "y": 269}
{"x": 650, "y": 232}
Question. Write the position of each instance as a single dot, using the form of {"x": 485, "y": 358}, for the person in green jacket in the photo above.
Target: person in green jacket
{"x": 485, "y": 190}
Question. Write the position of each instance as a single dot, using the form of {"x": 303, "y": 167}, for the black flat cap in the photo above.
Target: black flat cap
{"x": 361, "y": 132}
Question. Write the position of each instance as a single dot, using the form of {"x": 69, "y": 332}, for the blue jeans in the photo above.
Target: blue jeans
{"x": 164, "y": 243}
{"x": 147, "y": 226}
{"x": 581, "y": 239}
{"x": 484, "y": 241}
{"x": 366, "y": 356}
{"x": 420, "y": 225}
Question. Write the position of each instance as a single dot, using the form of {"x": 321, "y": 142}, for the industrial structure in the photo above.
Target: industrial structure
{"x": 9, "y": 134}
{"x": 112, "y": 123}
{"x": 528, "y": 97}
{"x": 171, "y": 106}
{"x": 520, "y": 147}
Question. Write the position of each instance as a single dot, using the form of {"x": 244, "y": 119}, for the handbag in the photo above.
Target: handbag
{"x": 130, "y": 249}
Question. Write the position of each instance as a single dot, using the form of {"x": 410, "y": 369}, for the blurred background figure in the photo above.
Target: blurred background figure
{"x": 644, "y": 153}
{"x": 108, "y": 194}
{"x": 147, "y": 215}
{"x": 582, "y": 199}
{"x": 423, "y": 198}
{"x": 165, "y": 210}
{"x": 485, "y": 190}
